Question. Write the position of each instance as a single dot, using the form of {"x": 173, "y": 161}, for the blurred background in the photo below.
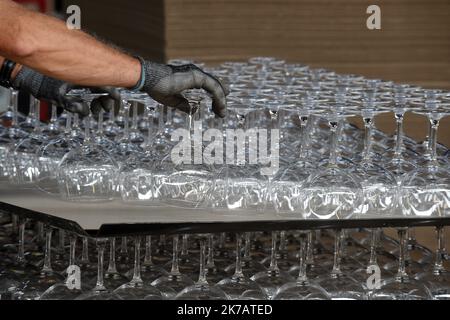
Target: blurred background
{"x": 413, "y": 45}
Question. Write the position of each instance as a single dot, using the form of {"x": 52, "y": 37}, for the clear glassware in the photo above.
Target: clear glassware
{"x": 238, "y": 286}
{"x": 174, "y": 282}
{"x": 401, "y": 286}
{"x": 10, "y": 135}
{"x": 137, "y": 288}
{"x": 65, "y": 290}
{"x": 396, "y": 159}
{"x": 149, "y": 270}
{"x": 340, "y": 285}
{"x": 302, "y": 288}
{"x": 136, "y": 175}
{"x": 426, "y": 190}
{"x": 87, "y": 173}
{"x": 22, "y": 155}
{"x": 272, "y": 279}
{"x": 50, "y": 154}
{"x": 178, "y": 180}
{"x": 38, "y": 281}
{"x": 202, "y": 290}
{"x": 332, "y": 192}
{"x": 437, "y": 279}
{"x": 113, "y": 278}
{"x": 99, "y": 292}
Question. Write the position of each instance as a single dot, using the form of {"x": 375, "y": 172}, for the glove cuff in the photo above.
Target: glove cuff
{"x": 154, "y": 72}
{"x": 28, "y": 80}
{"x": 141, "y": 82}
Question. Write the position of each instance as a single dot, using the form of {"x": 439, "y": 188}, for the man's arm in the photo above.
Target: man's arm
{"x": 48, "y": 50}
{"x": 46, "y": 45}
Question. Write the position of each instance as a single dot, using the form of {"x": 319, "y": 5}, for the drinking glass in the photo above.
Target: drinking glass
{"x": 238, "y": 286}
{"x": 174, "y": 282}
{"x": 202, "y": 290}
{"x": 302, "y": 288}
{"x": 87, "y": 173}
{"x": 272, "y": 279}
{"x": 137, "y": 288}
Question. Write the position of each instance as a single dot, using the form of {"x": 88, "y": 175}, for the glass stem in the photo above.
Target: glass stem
{"x": 37, "y": 112}
{"x": 399, "y": 135}
{"x": 76, "y": 124}
{"x": 368, "y": 127}
{"x": 99, "y": 286}
{"x": 333, "y": 142}
{"x": 238, "y": 270}
{"x": 72, "y": 247}
{"x": 40, "y": 231}
{"x": 336, "y": 272}
{"x": 68, "y": 126}
{"x": 184, "y": 245}
{"x": 310, "y": 250}
{"x": 14, "y": 224}
{"x": 210, "y": 261}
{"x": 433, "y": 139}
{"x": 302, "y": 278}
{"x": 202, "y": 275}
{"x": 100, "y": 122}
{"x": 61, "y": 242}
{"x": 401, "y": 273}
{"x": 373, "y": 246}
{"x": 137, "y": 261}
{"x": 438, "y": 267}
{"x": 247, "y": 246}
{"x": 126, "y": 125}
{"x": 273, "y": 253}
{"x": 148, "y": 251}
{"x": 134, "y": 119}
{"x": 123, "y": 246}
{"x": 112, "y": 256}
{"x": 21, "y": 248}
{"x": 303, "y": 136}
{"x": 54, "y": 116}
{"x": 85, "y": 250}
{"x": 47, "y": 267}
{"x": 15, "y": 104}
{"x": 175, "y": 268}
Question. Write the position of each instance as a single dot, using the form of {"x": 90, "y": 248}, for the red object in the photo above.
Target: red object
{"x": 41, "y": 6}
{"x": 38, "y": 5}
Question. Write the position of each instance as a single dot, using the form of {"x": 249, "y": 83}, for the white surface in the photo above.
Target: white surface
{"x": 90, "y": 216}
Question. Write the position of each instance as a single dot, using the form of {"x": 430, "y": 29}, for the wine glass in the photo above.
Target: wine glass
{"x": 302, "y": 288}
{"x": 137, "y": 288}
{"x": 272, "y": 279}
{"x": 87, "y": 173}
{"x": 238, "y": 286}
{"x": 22, "y": 155}
{"x": 340, "y": 285}
{"x": 65, "y": 290}
{"x": 174, "y": 282}
{"x": 202, "y": 290}
{"x": 437, "y": 279}
{"x": 332, "y": 192}
{"x": 99, "y": 292}
{"x": 401, "y": 286}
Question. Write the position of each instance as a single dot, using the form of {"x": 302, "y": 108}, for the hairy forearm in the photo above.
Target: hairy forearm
{"x": 45, "y": 44}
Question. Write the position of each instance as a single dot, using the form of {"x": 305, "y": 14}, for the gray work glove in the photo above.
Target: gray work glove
{"x": 52, "y": 90}
{"x": 165, "y": 83}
